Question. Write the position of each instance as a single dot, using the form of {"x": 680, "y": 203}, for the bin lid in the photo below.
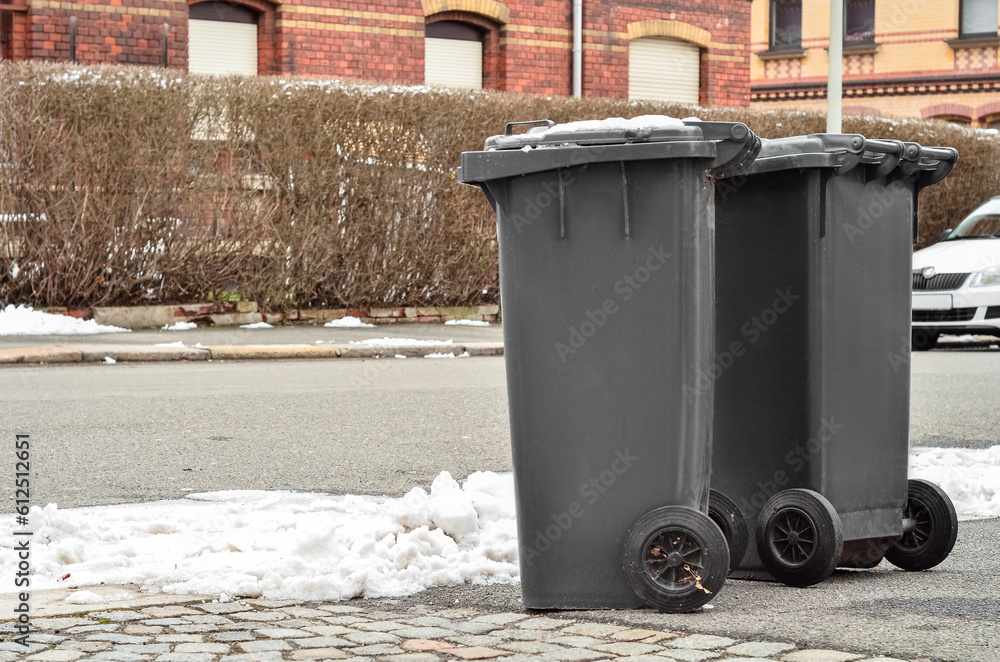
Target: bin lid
{"x": 611, "y": 131}
{"x": 724, "y": 148}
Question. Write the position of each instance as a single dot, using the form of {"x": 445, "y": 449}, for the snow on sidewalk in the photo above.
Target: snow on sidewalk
{"x": 26, "y": 321}
{"x": 282, "y": 545}
{"x": 289, "y": 545}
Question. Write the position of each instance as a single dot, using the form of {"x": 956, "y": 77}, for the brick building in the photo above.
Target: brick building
{"x": 694, "y": 51}
{"x": 916, "y": 58}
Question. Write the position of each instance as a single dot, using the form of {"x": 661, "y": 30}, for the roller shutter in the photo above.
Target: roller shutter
{"x": 663, "y": 69}
{"x": 222, "y": 47}
{"x": 453, "y": 63}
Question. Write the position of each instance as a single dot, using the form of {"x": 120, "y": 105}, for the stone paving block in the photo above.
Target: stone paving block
{"x": 143, "y": 649}
{"x": 118, "y": 638}
{"x": 348, "y": 620}
{"x": 120, "y": 656}
{"x": 259, "y": 616}
{"x": 340, "y": 609}
{"x": 426, "y": 645}
{"x": 168, "y": 611}
{"x": 270, "y": 656}
{"x": 262, "y": 645}
{"x": 424, "y": 633}
{"x": 377, "y": 650}
{"x": 318, "y": 654}
{"x": 118, "y": 616}
{"x": 473, "y": 627}
{"x": 412, "y": 657}
{"x": 576, "y": 642}
{"x": 178, "y": 638}
{"x": 18, "y": 648}
{"x": 164, "y": 621}
{"x": 597, "y": 630}
{"x": 186, "y": 657}
{"x": 688, "y": 655}
{"x": 641, "y": 658}
{"x": 380, "y": 626}
{"x": 324, "y": 642}
{"x": 43, "y": 638}
{"x": 544, "y": 623}
{"x": 701, "y": 642}
{"x": 625, "y": 648}
{"x": 223, "y": 607}
{"x": 209, "y": 619}
{"x": 524, "y": 635}
{"x": 202, "y": 647}
{"x": 476, "y": 653}
{"x": 194, "y": 628}
{"x": 283, "y": 633}
{"x": 358, "y": 659}
{"x": 103, "y": 627}
{"x": 530, "y": 647}
{"x": 142, "y": 629}
{"x": 365, "y": 638}
{"x": 759, "y": 648}
{"x": 577, "y": 655}
{"x": 635, "y": 634}
{"x": 476, "y": 640}
{"x": 878, "y": 659}
{"x": 820, "y": 655}
{"x": 60, "y": 623}
{"x": 748, "y": 659}
{"x": 304, "y": 612}
{"x": 86, "y": 646}
{"x": 329, "y": 630}
{"x": 232, "y": 636}
{"x": 271, "y": 604}
{"x": 501, "y": 619}
{"x": 55, "y": 655}
{"x": 429, "y": 622}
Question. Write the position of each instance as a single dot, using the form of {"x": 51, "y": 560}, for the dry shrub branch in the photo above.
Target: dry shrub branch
{"x": 127, "y": 186}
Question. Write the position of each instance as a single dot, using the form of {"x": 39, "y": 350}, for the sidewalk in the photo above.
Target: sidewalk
{"x": 169, "y": 628}
{"x": 232, "y": 343}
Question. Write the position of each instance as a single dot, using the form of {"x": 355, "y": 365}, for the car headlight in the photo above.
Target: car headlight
{"x": 986, "y": 277}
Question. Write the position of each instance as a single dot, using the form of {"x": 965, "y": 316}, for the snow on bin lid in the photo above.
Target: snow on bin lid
{"x": 613, "y": 130}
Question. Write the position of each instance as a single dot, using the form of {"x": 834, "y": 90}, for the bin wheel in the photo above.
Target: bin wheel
{"x": 799, "y": 537}
{"x": 727, "y": 516}
{"x": 921, "y": 341}
{"x": 676, "y": 559}
{"x": 930, "y": 528}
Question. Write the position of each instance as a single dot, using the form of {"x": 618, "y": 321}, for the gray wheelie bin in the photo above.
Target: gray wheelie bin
{"x": 812, "y": 370}
{"x": 606, "y": 274}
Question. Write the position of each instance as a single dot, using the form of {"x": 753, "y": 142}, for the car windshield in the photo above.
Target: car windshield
{"x": 978, "y": 225}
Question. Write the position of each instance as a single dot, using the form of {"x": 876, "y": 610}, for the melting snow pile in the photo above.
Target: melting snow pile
{"x": 256, "y": 325}
{"x": 180, "y": 326}
{"x": 398, "y": 342}
{"x": 26, "y": 321}
{"x": 282, "y": 545}
{"x": 971, "y": 477}
{"x": 466, "y": 323}
{"x": 348, "y": 323}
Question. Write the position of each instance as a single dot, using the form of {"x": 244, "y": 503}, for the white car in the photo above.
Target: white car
{"x": 956, "y": 282}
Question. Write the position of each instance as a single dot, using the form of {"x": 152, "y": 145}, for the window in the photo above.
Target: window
{"x": 453, "y": 55}
{"x": 786, "y": 24}
{"x": 859, "y": 20}
{"x": 978, "y": 17}
{"x": 664, "y": 69}
{"x": 222, "y": 39}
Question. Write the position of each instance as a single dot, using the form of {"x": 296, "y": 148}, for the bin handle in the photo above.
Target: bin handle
{"x": 509, "y": 129}
{"x": 893, "y": 151}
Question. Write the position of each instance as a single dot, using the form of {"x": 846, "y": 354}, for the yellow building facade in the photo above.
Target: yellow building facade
{"x": 904, "y": 58}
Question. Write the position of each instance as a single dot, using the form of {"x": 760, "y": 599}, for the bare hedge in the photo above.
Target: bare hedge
{"x": 125, "y": 186}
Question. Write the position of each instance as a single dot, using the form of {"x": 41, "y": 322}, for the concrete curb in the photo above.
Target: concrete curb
{"x": 150, "y": 353}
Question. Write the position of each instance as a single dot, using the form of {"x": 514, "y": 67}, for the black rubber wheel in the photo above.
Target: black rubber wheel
{"x": 921, "y": 341}
{"x": 930, "y": 525}
{"x": 727, "y": 516}
{"x": 676, "y": 559}
{"x": 799, "y": 537}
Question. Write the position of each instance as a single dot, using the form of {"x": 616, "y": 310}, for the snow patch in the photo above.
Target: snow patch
{"x": 180, "y": 326}
{"x": 348, "y": 322}
{"x": 398, "y": 342}
{"x": 176, "y": 343}
{"x": 970, "y": 476}
{"x": 26, "y": 321}
{"x": 89, "y": 598}
{"x": 643, "y": 122}
{"x": 466, "y": 323}
{"x": 449, "y": 355}
{"x": 256, "y": 325}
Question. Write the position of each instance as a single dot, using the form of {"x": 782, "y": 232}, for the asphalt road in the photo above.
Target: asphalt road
{"x": 127, "y": 433}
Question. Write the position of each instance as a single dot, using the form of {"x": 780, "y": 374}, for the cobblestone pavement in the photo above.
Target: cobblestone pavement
{"x": 266, "y": 631}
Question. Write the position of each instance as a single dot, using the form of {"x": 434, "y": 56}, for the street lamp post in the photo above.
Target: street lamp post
{"x": 835, "y": 82}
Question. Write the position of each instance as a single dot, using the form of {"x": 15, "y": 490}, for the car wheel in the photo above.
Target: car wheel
{"x": 921, "y": 341}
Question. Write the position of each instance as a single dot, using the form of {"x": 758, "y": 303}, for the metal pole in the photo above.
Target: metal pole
{"x": 835, "y": 84}
{"x": 577, "y": 48}
{"x": 72, "y": 39}
{"x": 166, "y": 43}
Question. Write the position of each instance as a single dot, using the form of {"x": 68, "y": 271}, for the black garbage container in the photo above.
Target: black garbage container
{"x": 812, "y": 370}
{"x": 606, "y": 274}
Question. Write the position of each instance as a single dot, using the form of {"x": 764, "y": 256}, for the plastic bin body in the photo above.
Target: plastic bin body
{"x": 606, "y": 274}
{"x": 813, "y": 331}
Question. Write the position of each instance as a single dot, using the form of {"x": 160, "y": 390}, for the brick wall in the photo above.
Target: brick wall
{"x": 527, "y": 43}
